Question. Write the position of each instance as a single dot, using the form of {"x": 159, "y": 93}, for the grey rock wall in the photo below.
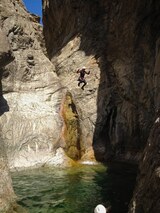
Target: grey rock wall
{"x": 116, "y": 41}
{"x": 32, "y": 93}
{"x": 119, "y": 42}
{"x": 7, "y": 197}
{"x": 146, "y": 197}
{"x": 69, "y": 49}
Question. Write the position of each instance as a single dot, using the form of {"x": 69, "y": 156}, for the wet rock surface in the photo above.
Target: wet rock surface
{"x": 71, "y": 133}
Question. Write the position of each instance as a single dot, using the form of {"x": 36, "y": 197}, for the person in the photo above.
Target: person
{"x": 100, "y": 209}
{"x": 81, "y": 78}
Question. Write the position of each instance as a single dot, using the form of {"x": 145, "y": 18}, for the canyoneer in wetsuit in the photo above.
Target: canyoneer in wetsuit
{"x": 81, "y": 78}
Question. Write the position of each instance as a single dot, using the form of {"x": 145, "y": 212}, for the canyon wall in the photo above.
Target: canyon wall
{"x": 116, "y": 109}
{"x": 65, "y": 46}
{"x": 31, "y": 94}
{"x": 118, "y": 41}
{"x": 46, "y": 119}
{"x": 7, "y": 196}
{"x": 6, "y": 192}
{"x": 146, "y": 197}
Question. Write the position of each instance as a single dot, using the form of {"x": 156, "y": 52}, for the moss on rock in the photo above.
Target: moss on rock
{"x": 71, "y": 131}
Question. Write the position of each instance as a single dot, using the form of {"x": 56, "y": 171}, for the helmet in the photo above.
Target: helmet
{"x": 100, "y": 209}
{"x": 83, "y": 68}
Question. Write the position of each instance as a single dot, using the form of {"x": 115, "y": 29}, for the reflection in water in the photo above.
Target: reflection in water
{"x": 72, "y": 190}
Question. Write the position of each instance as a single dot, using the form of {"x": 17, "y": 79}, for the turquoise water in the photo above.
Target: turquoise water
{"x": 72, "y": 190}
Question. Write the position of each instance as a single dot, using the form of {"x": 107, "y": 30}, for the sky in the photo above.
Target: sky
{"x": 34, "y": 6}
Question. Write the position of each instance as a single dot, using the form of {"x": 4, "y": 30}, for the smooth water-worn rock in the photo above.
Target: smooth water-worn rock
{"x": 32, "y": 92}
{"x": 33, "y": 97}
{"x": 7, "y": 196}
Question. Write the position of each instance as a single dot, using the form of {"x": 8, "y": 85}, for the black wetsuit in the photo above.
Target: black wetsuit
{"x": 81, "y": 78}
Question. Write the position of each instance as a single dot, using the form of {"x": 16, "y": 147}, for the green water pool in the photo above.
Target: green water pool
{"x": 72, "y": 190}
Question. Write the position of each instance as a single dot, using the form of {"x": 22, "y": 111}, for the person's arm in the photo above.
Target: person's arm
{"x": 78, "y": 71}
{"x": 88, "y": 72}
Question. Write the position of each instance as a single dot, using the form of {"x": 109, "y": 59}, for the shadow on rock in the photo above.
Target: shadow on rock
{"x": 117, "y": 187}
{"x": 3, "y": 105}
{"x": 3, "y": 102}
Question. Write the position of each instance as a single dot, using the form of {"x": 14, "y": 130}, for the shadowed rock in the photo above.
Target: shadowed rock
{"x": 119, "y": 41}
{"x": 6, "y": 55}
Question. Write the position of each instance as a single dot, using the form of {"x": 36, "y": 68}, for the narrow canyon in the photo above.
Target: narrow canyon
{"x": 47, "y": 120}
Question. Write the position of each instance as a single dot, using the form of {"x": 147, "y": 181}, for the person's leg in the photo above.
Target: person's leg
{"x": 79, "y": 81}
{"x": 84, "y": 84}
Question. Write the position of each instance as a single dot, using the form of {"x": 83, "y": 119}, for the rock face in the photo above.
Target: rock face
{"x": 71, "y": 131}
{"x": 7, "y": 197}
{"x": 47, "y": 119}
{"x": 5, "y": 52}
{"x": 69, "y": 48}
{"x": 146, "y": 197}
{"x": 119, "y": 42}
{"x": 116, "y": 41}
{"x": 147, "y": 192}
{"x": 32, "y": 93}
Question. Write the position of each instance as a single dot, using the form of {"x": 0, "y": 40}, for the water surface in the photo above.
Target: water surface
{"x": 71, "y": 190}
